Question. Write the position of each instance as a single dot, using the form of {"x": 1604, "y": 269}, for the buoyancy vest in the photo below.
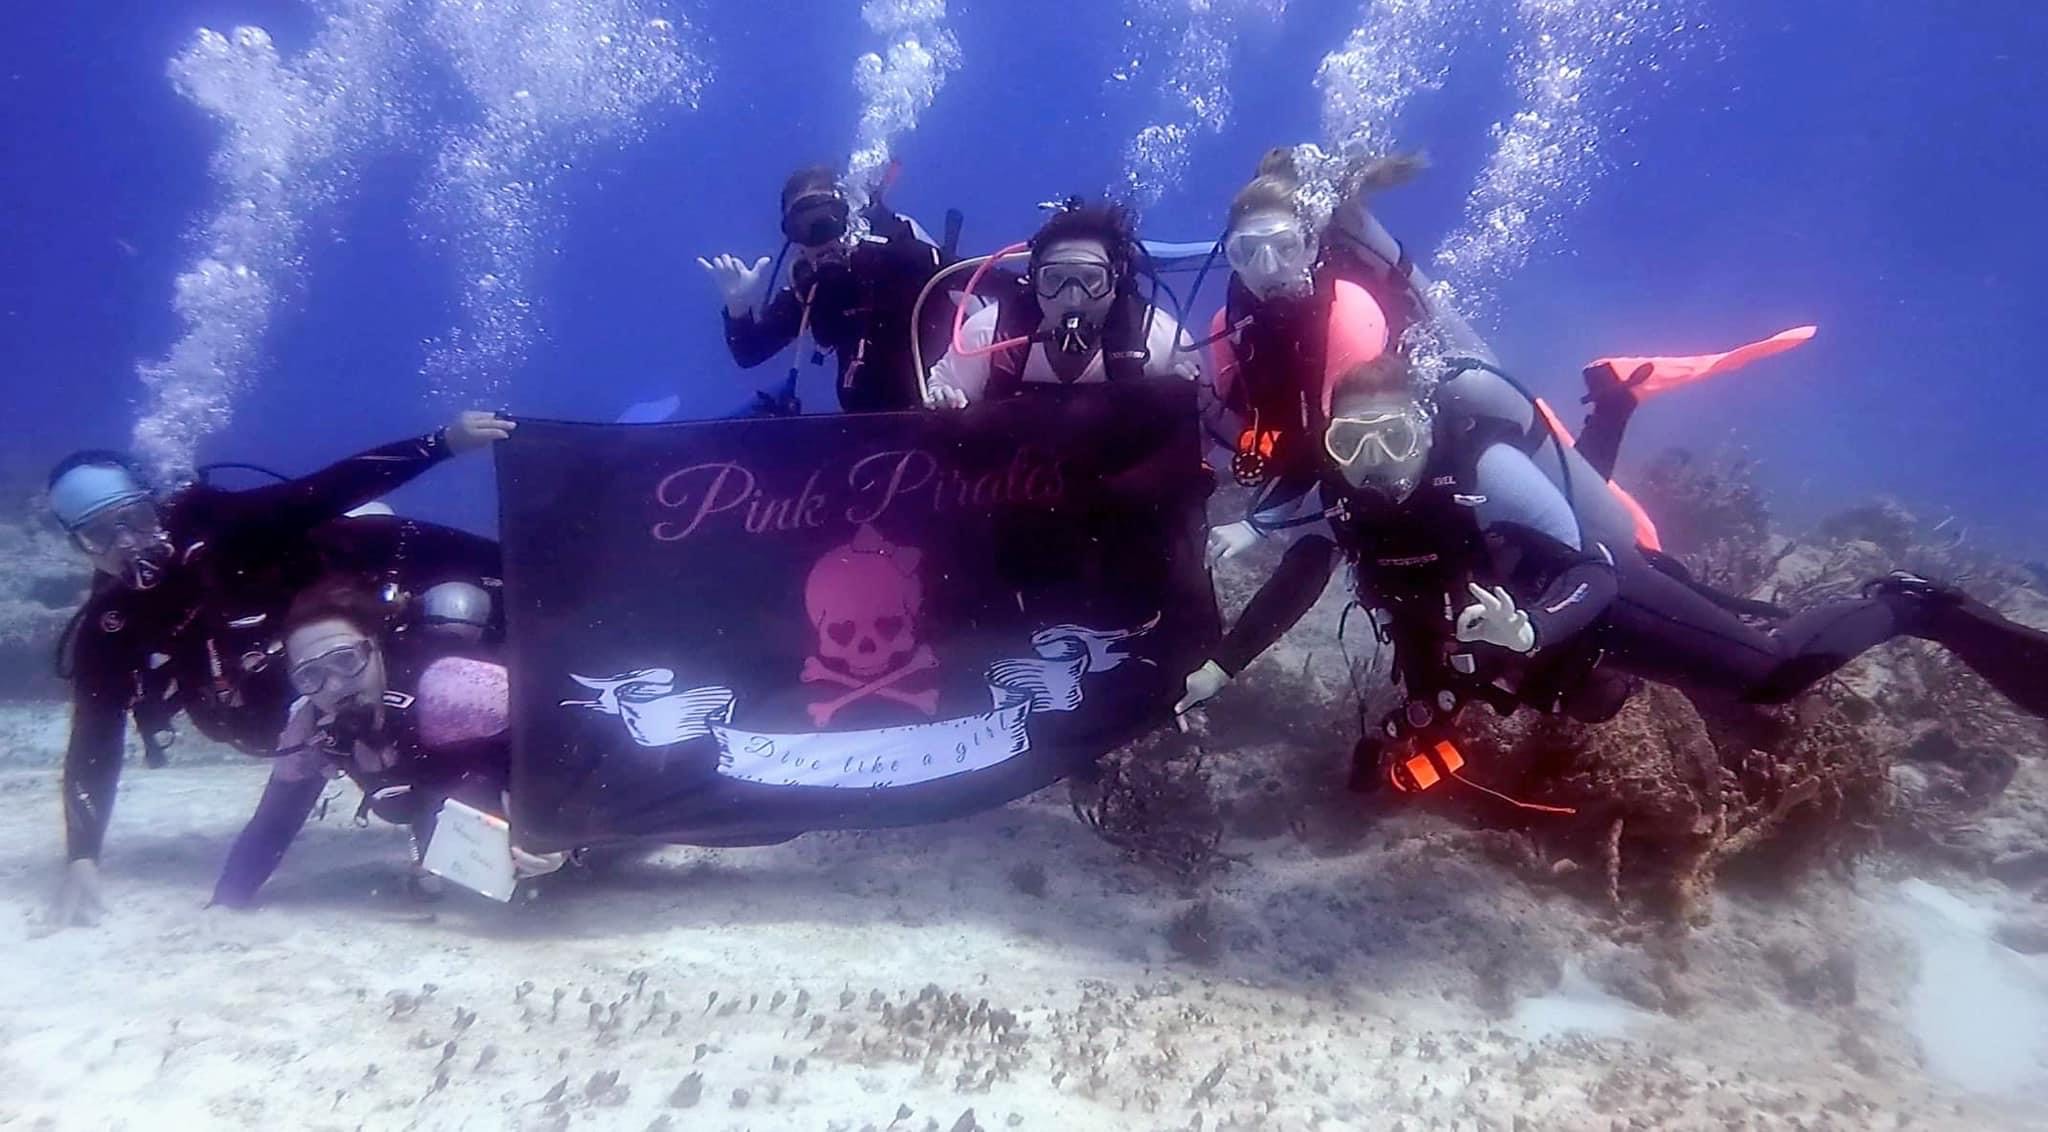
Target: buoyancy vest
{"x": 1125, "y": 345}
{"x": 1269, "y": 359}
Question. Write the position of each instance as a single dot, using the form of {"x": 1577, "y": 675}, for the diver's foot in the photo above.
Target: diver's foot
{"x": 424, "y": 887}
{"x": 1900, "y": 583}
{"x": 1606, "y": 386}
{"x": 525, "y": 864}
{"x": 1914, "y": 599}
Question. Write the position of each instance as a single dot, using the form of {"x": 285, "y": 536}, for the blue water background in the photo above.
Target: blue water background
{"x": 1874, "y": 168}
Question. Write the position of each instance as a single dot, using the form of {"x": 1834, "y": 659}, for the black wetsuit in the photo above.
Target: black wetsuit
{"x": 1489, "y": 516}
{"x": 409, "y": 791}
{"x": 860, "y": 310}
{"x": 205, "y": 640}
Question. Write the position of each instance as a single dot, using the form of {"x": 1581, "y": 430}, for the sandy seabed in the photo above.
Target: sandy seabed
{"x": 1007, "y": 971}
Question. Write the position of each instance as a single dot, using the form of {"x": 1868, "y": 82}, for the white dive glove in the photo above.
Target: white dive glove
{"x": 1495, "y": 620}
{"x": 939, "y": 395}
{"x": 1230, "y": 540}
{"x": 740, "y": 284}
{"x": 1203, "y": 684}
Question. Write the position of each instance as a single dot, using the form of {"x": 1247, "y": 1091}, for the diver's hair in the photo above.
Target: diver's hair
{"x": 1276, "y": 185}
{"x": 1391, "y": 372}
{"x": 1372, "y": 175}
{"x": 1107, "y": 224}
{"x": 1267, "y": 192}
{"x": 1275, "y": 188}
{"x": 99, "y": 458}
{"x": 1279, "y": 162}
{"x": 339, "y": 597}
{"x": 811, "y": 180}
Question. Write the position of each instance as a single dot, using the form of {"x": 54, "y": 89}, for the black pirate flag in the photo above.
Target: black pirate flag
{"x": 741, "y": 630}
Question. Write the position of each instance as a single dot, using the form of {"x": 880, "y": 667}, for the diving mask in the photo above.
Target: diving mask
{"x": 335, "y": 666}
{"x": 135, "y": 524}
{"x": 1093, "y": 279}
{"x": 816, "y": 220}
{"x": 1371, "y": 439}
{"x": 1271, "y": 254}
{"x": 1380, "y": 449}
{"x": 128, "y": 542}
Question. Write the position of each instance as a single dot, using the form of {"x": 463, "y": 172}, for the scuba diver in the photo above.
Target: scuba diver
{"x": 851, "y": 290}
{"x": 414, "y": 718}
{"x": 1077, "y": 330}
{"x": 1495, "y": 586}
{"x": 1076, "y": 317}
{"x": 1303, "y": 306}
{"x": 1302, "y": 302}
{"x": 189, "y": 586}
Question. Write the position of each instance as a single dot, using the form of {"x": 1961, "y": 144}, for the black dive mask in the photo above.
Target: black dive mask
{"x": 816, "y": 220}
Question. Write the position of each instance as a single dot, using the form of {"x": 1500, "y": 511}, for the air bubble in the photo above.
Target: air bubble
{"x": 552, "y": 79}
{"x": 291, "y": 131}
{"x": 898, "y": 83}
{"x": 1196, "y": 90}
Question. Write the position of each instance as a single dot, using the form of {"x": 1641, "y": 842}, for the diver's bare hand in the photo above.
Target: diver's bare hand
{"x": 78, "y": 902}
{"x": 476, "y": 428}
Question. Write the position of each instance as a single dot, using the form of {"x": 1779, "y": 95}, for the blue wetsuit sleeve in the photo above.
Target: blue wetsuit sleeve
{"x": 1517, "y": 493}
{"x": 1574, "y": 599}
{"x": 1284, "y": 503}
{"x": 261, "y": 846}
{"x": 1523, "y": 509}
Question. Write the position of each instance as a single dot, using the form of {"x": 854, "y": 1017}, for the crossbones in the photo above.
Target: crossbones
{"x": 884, "y": 686}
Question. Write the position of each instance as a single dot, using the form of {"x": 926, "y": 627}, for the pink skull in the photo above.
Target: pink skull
{"x": 864, "y": 600}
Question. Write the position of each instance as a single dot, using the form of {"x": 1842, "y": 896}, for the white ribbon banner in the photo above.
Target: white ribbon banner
{"x": 655, "y": 714}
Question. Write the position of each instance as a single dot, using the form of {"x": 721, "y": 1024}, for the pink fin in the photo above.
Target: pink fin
{"x": 1669, "y": 373}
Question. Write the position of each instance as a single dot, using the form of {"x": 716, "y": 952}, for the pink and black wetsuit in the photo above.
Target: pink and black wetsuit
{"x": 442, "y": 735}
